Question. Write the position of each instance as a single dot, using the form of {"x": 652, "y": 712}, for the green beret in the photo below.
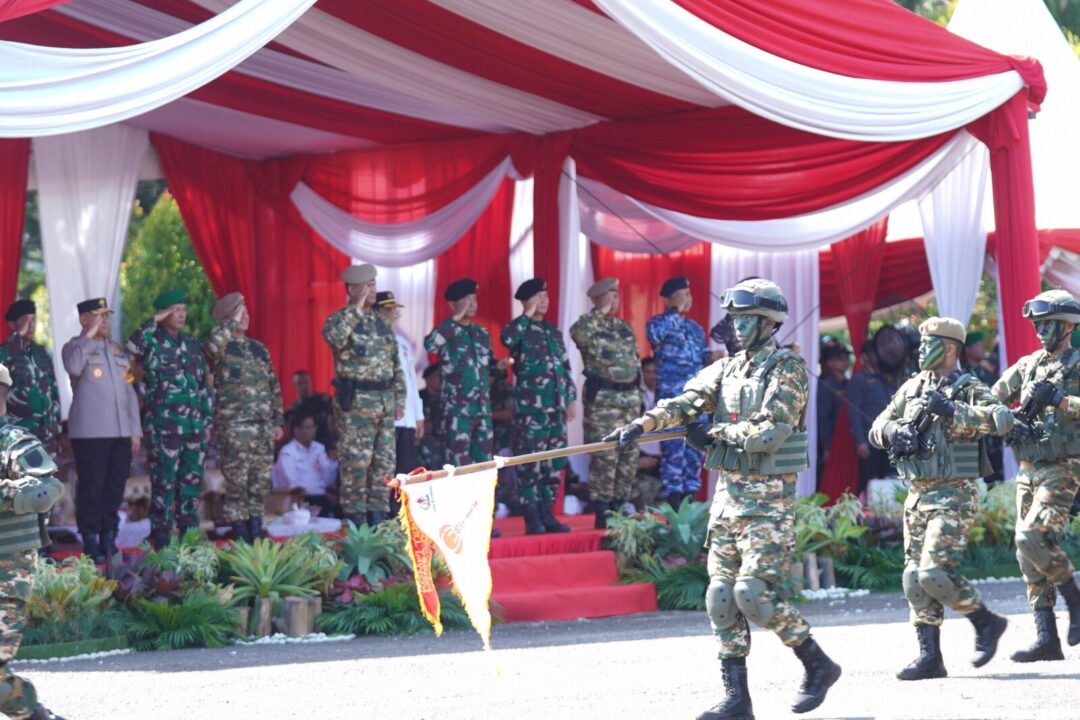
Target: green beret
{"x": 974, "y": 337}
{"x": 169, "y": 298}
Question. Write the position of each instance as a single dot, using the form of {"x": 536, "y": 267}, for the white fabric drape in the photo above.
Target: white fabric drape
{"x": 414, "y": 287}
{"x": 797, "y": 275}
{"x": 955, "y": 235}
{"x": 803, "y": 97}
{"x": 86, "y": 185}
{"x": 401, "y": 244}
{"x": 48, "y": 91}
{"x": 521, "y": 234}
{"x": 612, "y": 219}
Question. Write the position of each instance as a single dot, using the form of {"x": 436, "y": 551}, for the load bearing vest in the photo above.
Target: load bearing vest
{"x": 949, "y": 459}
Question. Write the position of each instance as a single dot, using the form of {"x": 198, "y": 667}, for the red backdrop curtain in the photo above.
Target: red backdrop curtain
{"x": 857, "y": 262}
{"x": 908, "y": 277}
{"x": 10, "y": 9}
{"x": 14, "y": 165}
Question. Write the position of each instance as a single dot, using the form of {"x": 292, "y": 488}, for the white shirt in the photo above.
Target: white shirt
{"x": 414, "y": 409}
{"x": 306, "y": 467}
{"x": 651, "y": 448}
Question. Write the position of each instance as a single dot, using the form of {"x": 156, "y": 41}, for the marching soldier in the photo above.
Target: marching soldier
{"x": 758, "y": 444}
{"x": 176, "y": 418}
{"x": 369, "y": 397}
{"x": 612, "y": 394}
{"x": 28, "y": 489}
{"x": 544, "y": 397}
{"x": 1046, "y": 439}
{"x": 35, "y": 401}
{"x": 681, "y": 351}
{"x": 247, "y": 416}
{"x": 931, "y": 428}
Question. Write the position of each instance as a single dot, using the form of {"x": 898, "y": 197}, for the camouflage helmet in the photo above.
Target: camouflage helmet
{"x": 1053, "y": 305}
{"x": 756, "y": 297}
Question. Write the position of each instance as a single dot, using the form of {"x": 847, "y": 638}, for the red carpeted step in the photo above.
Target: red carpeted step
{"x": 514, "y": 546}
{"x": 578, "y": 602}
{"x": 515, "y": 525}
{"x": 551, "y": 572}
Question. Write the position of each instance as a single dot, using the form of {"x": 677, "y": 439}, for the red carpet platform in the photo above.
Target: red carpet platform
{"x": 561, "y": 576}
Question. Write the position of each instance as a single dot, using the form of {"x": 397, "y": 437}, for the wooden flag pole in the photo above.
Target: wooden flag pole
{"x": 402, "y": 479}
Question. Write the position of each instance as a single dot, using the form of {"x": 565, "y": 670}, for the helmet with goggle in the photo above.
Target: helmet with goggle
{"x": 1052, "y": 305}
{"x": 756, "y": 297}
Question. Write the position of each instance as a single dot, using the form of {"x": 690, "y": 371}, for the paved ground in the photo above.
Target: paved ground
{"x": 658, "y": 666}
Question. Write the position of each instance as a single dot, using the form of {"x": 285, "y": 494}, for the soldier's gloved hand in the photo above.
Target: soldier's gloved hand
{"x": 627, "y": 434}
{"x": 902, "y": 438}
{"x": 1047, "y": 394}
{"x": 698, "y": 437}
{"x": 1021, "y": 430}
{"x": 36, "y": 495}
{"x": 938, "y": 404}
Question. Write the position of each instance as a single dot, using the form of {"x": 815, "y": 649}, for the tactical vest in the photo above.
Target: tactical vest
{"x": 949, "y": 459}
{"x": 1056, "y": 435}
{"x": 22, "y": 455}
{"x": 738, "y": 399}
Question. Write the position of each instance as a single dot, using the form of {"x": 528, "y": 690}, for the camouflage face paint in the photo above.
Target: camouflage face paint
{"x": 748, "y": 330}
{"x": 931, "y": 352}
{"x": 1051, "y": 333}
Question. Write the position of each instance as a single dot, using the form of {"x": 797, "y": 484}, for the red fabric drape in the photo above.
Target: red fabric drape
{"x": 14, "y": 165}
{"x": 858, "y": 262}
{"x": 11, "y": 9}
{"x": 874, "y": 39}
{"x": 483, "y": 254}
{"x": 908, "y": 277}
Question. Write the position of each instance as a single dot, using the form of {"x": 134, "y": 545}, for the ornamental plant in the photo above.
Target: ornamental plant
{"x": 377, "y": 554}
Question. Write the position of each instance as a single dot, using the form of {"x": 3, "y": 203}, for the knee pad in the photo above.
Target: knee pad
{"x": 752, "y": 597}
{"x": 938, "y": 585}
{"x": 720, "y": 604}
{"x": 1031, "y": 545}
{"x": 913, "y": 591}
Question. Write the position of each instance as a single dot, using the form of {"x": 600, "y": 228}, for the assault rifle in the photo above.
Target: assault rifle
{"x": 1042, "y": 396}
{"x": 921, "y": 424}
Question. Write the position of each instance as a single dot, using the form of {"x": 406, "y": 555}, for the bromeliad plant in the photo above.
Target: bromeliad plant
{"x": 266, "y": 569}
{"x": 70, "y": 601}
{"x": 683, "y": 530}
{"x": 376, "y": 554}
{"x": 632, "y": 537}
{"x": 827, "y": 530}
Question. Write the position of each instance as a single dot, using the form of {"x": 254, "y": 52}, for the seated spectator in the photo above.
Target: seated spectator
{"x": 303, "y": 463}
{"x": 318, "y": 405}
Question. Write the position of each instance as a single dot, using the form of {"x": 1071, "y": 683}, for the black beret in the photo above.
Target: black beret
{"x": 19, "y": 308}
{"x": 98, "y": 306}
{"x": 460, "y": 288}
{"x": 834, "y": 350}
{"x": 673, "y": 285}
{"x": 529, "y": 288}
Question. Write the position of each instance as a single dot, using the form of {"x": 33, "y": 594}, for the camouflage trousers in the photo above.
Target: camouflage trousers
{"x": 367, "y": 452}
{"x": 936, "y": 527}
{"x": 1044, "y": 495}
{"x": 17, "y": 696}
{"x": 645, "y": 490}
{"x": 467, "y": 438}
{"x": 176, "y": 473}
{"x": 247, "y": 461}
{"x": 756, "y": 547}
{"x": 611, "y": 473}
{"x": 537, "y": 432}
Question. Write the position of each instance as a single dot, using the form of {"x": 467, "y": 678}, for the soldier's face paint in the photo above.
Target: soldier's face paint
{"x": 750, "y": 330}
{"x": 931, "y": 352}
{"x": 1051, "y": 333}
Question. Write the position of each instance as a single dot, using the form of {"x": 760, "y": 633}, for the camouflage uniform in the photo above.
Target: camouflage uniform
{"x": 248, "y": 408}
{"x": 612, "y": 398}
{"x": 542, "y": 392}
{"x": 24, "y": 467}
{"x": 365, "y": 352}
{"x": 681, "y": 351}
{"x": 432, "y": 453}
{"x": 465, "y": 359}
{"x": 943, "y": 498}
{"x": 175, "y": 420}
{"x": 34, "y": 401}
{"x": 502, "y": 398}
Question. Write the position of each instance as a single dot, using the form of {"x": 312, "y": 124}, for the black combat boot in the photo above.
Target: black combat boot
{"x": 108, "y": 543}
{"x": 601, "y": 509}
{"x": 376, "y": 517}
{"x": 548, "y": 518}
{"x": 736, "y": 704}
{"x": 1071, "y": 593}
{"x": 531, "y": 512}
{"x": 929, "y": 664}
{"x": 255, "y": 529}
{"x": 821, "y": 673}
{"x": 240, "y": 531}
{"x": 91, "y": 548}
{"x": 43, "y": 713}
{"x": 1047, "y": 643}
{"x": 988, "y": 630}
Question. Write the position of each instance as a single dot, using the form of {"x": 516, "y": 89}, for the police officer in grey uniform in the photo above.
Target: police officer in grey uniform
{"x": 103, "y": 425}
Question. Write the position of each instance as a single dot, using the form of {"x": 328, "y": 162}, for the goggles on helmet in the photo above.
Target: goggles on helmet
{"x": 747, "y": 300}
{"x": 1041, "y": 308}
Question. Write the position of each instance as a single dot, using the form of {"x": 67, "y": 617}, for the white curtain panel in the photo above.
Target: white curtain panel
{"x": 807, "y": 98}
{"x": 612, "y": 219}
{"x": 797, "y": 275}
{"x": 414, "y": 287}
{"x": 955, "y": 234}
{"x": 827, "y": 226}
{"x": 86, "y": 185}
{"x": 391, "y": 78}
{"x": 400, "y": 244}
{"x": 521, "y": 234}
{"x": 48, "y": 91}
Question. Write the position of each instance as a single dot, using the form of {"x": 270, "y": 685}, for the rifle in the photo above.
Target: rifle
{"x": 922, "y": 423}
{"x": 1041, "y": 397}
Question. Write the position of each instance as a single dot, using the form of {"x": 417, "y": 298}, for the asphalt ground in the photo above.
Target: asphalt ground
{"x": 655, "y": 666}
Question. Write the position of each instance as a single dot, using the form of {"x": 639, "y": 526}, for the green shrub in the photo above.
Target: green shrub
{"x": 375, "y": 553}
{"x": 73, "y": 592}
{"x": 266, "y": 569}
{"x": 995, "y": 523}
{"x": 88, "y": 626}
{"x": 678, "y": 587}
{"x": 683, "y": 531}
{"x": 199, "y": 619}
{"x": 867, "y": 567}
{"x": 827, "y": 530}
{"x": 393, "y": 610}
{"x": 326, "y": 564}
{"x": 191, "y": 556}
{"x": 632, "y": 536}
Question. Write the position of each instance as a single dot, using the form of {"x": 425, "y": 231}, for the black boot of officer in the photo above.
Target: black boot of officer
{"x": 821, "y": 673}
{"x": 547, "y": 517}
{"x": 240, "y": 531}
{"x": 1047, "y": 643}
{"x": 531, "y": 512}
{"x": 601, "y": 509}
{"x": 929, "y": 664}
{"x": 736, "y": 704}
